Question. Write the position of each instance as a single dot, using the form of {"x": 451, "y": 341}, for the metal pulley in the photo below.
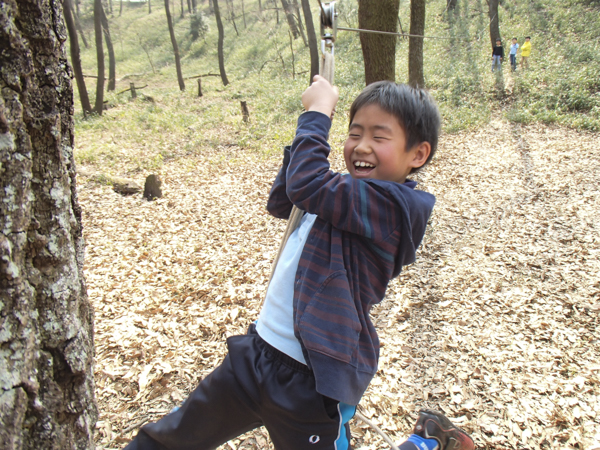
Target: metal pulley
{"x": 328, "y": 21}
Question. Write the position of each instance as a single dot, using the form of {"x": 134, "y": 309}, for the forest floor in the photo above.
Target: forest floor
{"x": 496, "y": 324}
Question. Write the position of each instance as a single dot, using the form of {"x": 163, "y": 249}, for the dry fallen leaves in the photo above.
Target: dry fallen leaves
{"x": 496, "y": 324}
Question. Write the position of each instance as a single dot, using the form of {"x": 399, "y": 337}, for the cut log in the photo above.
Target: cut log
{"x": 152, "y": 188}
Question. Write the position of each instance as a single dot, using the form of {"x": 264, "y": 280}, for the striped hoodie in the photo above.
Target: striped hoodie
{"x": 364, "y": 233}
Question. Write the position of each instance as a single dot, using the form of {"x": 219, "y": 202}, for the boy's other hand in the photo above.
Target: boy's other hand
{"x": 320, "y": 96}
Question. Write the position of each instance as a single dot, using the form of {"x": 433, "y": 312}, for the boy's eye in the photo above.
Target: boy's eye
{"x": 354, "y": 135}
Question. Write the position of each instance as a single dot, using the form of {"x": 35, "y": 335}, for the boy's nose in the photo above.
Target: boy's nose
{"x": 362, "y": 147}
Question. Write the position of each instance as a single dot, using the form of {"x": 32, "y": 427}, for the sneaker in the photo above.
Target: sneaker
{"x": 434, "y": 425}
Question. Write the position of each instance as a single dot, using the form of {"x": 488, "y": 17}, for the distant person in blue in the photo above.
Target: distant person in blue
{"x": 305, "y": 363}
{"x": 514, "y": 48}
{"x": 497, "y": 55}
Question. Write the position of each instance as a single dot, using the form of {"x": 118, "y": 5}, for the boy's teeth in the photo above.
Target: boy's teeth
{"x": 363, "y": 164}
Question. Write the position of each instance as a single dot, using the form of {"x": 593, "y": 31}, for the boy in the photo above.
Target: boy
{"x": 513, "y": 54}
{"x": 525, "y": 52}
{"x": 304, "y": 365}
{"x": 497, "y": 55}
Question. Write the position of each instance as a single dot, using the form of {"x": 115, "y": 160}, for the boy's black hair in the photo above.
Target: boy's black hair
{"x": 499, "y": 40}
{"x": 528, "y": 37}
{"x": 514, "y": 39}
{"x": 415, "y": 110}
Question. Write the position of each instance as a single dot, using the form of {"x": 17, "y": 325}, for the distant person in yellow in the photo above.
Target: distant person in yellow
{"x": 525, "y": 52}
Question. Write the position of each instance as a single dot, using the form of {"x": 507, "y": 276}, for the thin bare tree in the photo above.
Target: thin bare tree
{"x": 312, "y": 40}
{"x": 220, "y": 43}
{"x": 111, "y": 53}
{"x": 175, "y": 47}
{"x": 76, "y": 58}
{"x": 415, "y": 44}
{"x": 99, "y": 56}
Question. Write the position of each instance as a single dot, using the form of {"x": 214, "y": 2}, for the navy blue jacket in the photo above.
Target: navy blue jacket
{"x": 364, "y": 233}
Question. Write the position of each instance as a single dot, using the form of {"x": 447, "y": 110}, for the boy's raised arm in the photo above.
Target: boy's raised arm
{"x": 279, "y": 204}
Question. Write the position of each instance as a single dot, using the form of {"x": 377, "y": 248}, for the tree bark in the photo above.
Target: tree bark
{"x": 312, "y": 40}
{"x": 189, "y": 3}
{"x": 75, "y": 58}
{"x": 46, "y": 325}
{"x": 415, "y": 44}
{"x": 149, "y": 7}
{"x": 289, "y": 15}
{"x": 494, "y": 21}
{"x": 182, "y": 10}
{"x": 111, "y": 54}
{"x": 99, "y": 56}
{"x": 175, "y": 48}
{"x": 220, "y": 43}
{"x": 379, "y": 51}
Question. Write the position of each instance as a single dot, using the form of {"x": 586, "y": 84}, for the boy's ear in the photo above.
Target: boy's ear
{"x": 421, "y": 153}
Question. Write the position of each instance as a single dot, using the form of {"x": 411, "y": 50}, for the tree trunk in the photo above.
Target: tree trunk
{"x": 149, "y": 7}
{"x": 175, "y": 48}
{"x": 289, "y": 15}
{"x": 194, "y": 6}
{"x": 494, "y": 21}
{"x": 189, "y": 3}
{"x": 379, "y": 51}
{"x": 451, "y": 5}
{"x": 46, "y": 325}
{"x": 121, "y": 8}
{"x": 99, "y": 56}
{"x": 78, "y": 26}
{"x": 182, "y": 11}
{"x": 111, "y": 54}
{"x": 312, "y": 40}
{"x": 415, "y": 44}
{"x": 75, "y": 57}
{"x": 300, "y": 26}
{"x": 230, "y": 9}
{"x": 220, "y": 44}
{"x": 110, "y": 6}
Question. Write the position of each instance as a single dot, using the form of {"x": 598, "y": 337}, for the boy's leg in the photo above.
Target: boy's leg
{"x": 218, "y": 410}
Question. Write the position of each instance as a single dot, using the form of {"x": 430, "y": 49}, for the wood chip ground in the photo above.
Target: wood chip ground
{"x": 496, "y": 324}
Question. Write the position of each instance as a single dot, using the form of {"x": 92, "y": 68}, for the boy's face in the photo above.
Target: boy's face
{"x": 376, "y": 147}
{"x": 498, "y": 43}
{"x": 514, "y": 41}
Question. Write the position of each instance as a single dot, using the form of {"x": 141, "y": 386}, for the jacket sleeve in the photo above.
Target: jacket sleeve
{"x": 278, "y": 204}
{"x": 373, "y": 208}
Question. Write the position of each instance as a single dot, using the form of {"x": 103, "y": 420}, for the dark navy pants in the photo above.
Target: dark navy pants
{"x": 255, "y": 385}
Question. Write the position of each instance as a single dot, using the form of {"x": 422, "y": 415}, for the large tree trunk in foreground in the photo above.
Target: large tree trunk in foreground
{"x": 494, "y": 21}
{"x": 312, "y": 40}
{"x": 220, "y": 43}
{"x": 99, "y": 56}
{"x": 75, "y": 58}
{"x": 415, "y": 44}
{"x": 46, "y": 321}
{"x": 111, "y": 54}
{"x": 379, "y": 51}
{"x": 175, "y": 48}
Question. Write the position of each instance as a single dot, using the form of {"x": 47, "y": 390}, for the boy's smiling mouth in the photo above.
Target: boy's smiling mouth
{"x": 363, "y": 166}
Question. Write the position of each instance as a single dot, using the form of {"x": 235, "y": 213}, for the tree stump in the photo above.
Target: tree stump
{"x": 152, "y": 188}
{"x": 245, "y": 112}
{"x": 132, "y": 89}
{"x": 199, "y": 87}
